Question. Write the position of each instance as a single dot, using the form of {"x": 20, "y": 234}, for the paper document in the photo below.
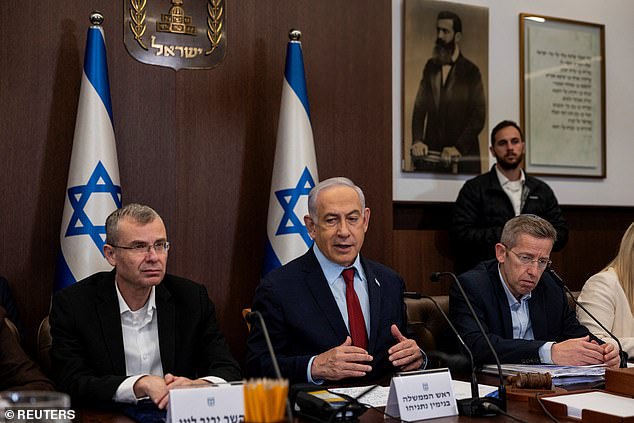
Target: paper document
{"x": 375, "y": 398}
{"x": 562, "y": 375}
{"x": 602, "y": 402}
{"x": 554, "y": 370}
{"x": 462, "y": 390}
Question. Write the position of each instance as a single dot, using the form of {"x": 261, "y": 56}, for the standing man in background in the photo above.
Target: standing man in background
{"x": 450, "y": 109}
{"x": 486, "y": 202}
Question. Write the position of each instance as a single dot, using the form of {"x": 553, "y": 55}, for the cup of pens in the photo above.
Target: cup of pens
{"x": 265, "y": 400}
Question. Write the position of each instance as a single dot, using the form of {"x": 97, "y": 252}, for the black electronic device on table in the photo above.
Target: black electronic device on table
{"x": 323, "y": 405}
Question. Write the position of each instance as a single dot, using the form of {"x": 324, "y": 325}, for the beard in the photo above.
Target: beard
{"x": 508, "y": 165}
{"x": 443, "y": 52}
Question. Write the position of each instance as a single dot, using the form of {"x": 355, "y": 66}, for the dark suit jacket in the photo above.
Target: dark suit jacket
{"x": 87, "y": 352}
{"x": 551, "y": 317}
{"x": 453, "y": 114}
{"x": 303, "y": 319}
{"x": 17, "y": 370}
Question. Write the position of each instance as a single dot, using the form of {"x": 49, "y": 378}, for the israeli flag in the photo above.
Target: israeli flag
{"x": 93, "y": 189}
{"x": 294, "y": 170}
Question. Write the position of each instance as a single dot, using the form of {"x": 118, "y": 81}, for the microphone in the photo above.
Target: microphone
{"x": 250, "y": 316}
{"x": 474, "y": 381}
{"x": 479, "y": 406}
{"x": 622, "y": 354}
{"x": 354, "y": 407}
{"x": 276, "y": 368}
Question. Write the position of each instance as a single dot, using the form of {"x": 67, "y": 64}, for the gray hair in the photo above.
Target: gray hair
{"x": 528, "y": 224}
{"x": 329, "y": 183}
{"x": 138, "y": 212}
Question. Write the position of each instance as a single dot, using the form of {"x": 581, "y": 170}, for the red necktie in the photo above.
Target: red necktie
{"x": 355, "y": 315}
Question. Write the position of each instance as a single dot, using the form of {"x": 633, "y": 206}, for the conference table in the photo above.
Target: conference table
{"x": 515, "y": 407}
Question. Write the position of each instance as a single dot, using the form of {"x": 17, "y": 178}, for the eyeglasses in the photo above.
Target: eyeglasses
{"x": 144, "y": 248}
{"x": 542, "y": 263}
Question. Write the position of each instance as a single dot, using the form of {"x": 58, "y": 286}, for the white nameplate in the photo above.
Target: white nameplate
{"x": 421, "y": 395}
{"x": 223, "y": 403}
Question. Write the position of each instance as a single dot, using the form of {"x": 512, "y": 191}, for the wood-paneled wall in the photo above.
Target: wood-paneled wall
{"x": 197, "y": 145}
{"x": 421, "y": 243}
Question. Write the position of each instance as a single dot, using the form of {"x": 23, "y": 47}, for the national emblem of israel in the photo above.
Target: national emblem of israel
{"x": 180, "y": 34}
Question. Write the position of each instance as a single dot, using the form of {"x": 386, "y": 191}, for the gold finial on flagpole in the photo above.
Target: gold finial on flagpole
{"x": 96, "y": 18}
{"x": 294, "y": 34}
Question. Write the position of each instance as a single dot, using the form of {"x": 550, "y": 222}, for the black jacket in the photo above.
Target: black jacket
{"x": 482, "y": 209}
{"x": 87, "y": 352}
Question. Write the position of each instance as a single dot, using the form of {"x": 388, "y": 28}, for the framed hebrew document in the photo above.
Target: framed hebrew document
{"x": 562, "y": 71}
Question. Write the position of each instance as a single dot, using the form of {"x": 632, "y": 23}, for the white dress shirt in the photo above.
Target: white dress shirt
{"x": 140, "y": 345}
{"x": 513, "y": 189}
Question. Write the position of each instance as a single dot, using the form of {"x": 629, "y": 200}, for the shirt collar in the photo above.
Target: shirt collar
{"x": 509, "y": 295}
{"x": 504, "y": 180}
{"x": 149, "y": 306}
{"x": 332, "y": 271}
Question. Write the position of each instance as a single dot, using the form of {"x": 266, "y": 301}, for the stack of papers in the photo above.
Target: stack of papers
{"x": 562, "y": 375}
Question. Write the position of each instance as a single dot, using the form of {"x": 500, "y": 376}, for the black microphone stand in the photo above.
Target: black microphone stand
{"x": 622, "y": 354}
{"x": 479, "y": 406}
{"x": 276, "y": 366}
{"x": 475, "y": 393}
{"x": 353, "y": 404}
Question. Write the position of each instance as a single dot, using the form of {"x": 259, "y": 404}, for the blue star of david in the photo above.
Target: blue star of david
{"x": 80, "y": 223}
{"x": 290, "y": 223}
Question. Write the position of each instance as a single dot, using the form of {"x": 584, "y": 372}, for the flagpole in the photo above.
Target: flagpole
{"x": 96, "y": 18}
{"x": 93, "y": 187}
{"x": 295, "y": 165}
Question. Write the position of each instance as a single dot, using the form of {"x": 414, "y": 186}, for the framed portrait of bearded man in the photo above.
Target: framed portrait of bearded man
{"x": 445, "y": 83}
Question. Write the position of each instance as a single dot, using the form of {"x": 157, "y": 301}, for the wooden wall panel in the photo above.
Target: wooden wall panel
{"x": 417, "y": 255}
{"x": 197, "y": 145}
{"x": 421, "y": 242}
